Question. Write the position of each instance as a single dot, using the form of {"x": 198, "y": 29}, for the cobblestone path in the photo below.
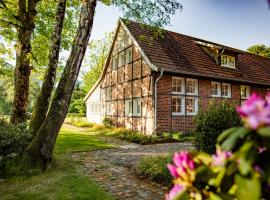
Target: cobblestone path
{"x": 111, "y": 168}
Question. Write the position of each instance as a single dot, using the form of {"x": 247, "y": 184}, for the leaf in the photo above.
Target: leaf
{"x": 106, "y": 2}
{"x": 230, "y": 142}
{"x": 182, "y": 196}
{"x": 246, "y": 158}
{"x": 247, "y": 189}
{"x": 214, "y": 196}
{"x": 264, "y": 132}
{"x": 226, "y": 133}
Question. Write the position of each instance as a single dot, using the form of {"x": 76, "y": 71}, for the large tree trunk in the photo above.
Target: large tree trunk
{"x": 26, "y": 15}
{"x": 43, "y": 101}
{"x": 40, "y": 149}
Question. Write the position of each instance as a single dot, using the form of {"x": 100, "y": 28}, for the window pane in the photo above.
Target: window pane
{"x": 190, "y": 105}
{"x": 177, "y": 104}
{"x": 177, "y": 85}
{"x": 191, "y": 86}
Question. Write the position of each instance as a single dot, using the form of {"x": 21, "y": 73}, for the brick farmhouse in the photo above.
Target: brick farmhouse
{"x": 158, "y": 84}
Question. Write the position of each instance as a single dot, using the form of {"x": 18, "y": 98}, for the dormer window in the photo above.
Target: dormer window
{"x": 228, "y": 61}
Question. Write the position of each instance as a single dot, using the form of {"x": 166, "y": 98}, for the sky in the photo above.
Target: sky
{"x": 235, "y": 23}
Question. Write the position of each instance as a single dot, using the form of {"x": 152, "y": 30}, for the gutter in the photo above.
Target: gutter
{"x": 155, "y": 122}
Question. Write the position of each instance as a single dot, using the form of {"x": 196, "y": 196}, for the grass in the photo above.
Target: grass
{"x": 66, "y": 180}
{"x": 154, "y": 168}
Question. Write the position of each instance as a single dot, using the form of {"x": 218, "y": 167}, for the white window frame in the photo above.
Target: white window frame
{"x": 182, "y": 85}
{"x": 196, "y": 86}
{"x": 128, "y": 107}
{"x": 227, "y": 57}
{"x": 121, "y": 59}
{"x": 196, "y": 99}
{"x": 137, "y": 102}
{"x": 229, "y": 90}
{"x": 182, "y": 108}
{"x": 218, "y": 88}
{"x": 129, "y": 55}
{"x": 248, "y": 91}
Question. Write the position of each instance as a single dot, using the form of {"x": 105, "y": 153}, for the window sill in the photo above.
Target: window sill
{"x": 178, "y": 114}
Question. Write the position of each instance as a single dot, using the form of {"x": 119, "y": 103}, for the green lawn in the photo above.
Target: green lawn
{"x": 66, "y": 181}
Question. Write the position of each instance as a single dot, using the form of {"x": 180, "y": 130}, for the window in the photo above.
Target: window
{"x": 178, "y": 85}
{"x": 137, "y": 107}
{"x": 191, "y": 105}
{"x": 245, "y": 91}
{"x": 227, "y": 61}
{"x": 128, "y": 107}
{"x": 226, "y": 90}
{"x": 121, "y": 58}
{"x": 114, "y": 62}
{"x": 215, "y": 89}
{"x": 178, "y": 105}
{"x": 129, "y": 55}
{"x": 108, "y": 93}
{"x": 191, "y": 86}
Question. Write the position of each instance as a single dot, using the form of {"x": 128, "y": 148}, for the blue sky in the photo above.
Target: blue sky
{"x": 236, "y": 23}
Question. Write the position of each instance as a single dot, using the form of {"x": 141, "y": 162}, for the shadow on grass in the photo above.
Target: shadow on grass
{"x": 66, "y": 181}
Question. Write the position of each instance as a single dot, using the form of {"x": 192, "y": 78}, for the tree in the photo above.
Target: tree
{"x": 157, "y": 13}
{"x": 98, "y": 53}
{"x": 10, "y": 23}
{"x": 260, "y": 49}
{"x": 43, "y": 100}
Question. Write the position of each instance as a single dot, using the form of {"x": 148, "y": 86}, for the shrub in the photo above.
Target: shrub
{"x": 13, "y": 138}
{"x": 83, "y": 124}
{"x": 240, "y": 169}
{"x": 211, "y": 122}
{"x": 154, "y": 168}
{"x": 107, "y": 122}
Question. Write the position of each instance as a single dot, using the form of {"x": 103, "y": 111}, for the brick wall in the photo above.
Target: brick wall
{"x": 169, "y": 122}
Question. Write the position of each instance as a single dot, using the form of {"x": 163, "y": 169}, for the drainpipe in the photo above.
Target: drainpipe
{"x": 161, "y": 74}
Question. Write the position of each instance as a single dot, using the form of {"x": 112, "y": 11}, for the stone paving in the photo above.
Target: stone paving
{"x": 111, "y": 168}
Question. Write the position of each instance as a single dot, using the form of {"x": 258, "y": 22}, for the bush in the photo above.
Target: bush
{"x": 13, "y": 138}
{"x": 83, "y": 124}
{"x": 211, "y": 122}
{"x": 107, "y": 122}
{"x": 154, "y": 168}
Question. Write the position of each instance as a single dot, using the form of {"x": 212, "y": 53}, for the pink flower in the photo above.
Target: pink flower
{"x": 219, "y": 159}
{"x": 255, "y": 112}
{"x": 176, "y": 190}
{"x": 183, "y": 168}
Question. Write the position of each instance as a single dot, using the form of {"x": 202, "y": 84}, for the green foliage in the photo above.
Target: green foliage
{"x": 76, "y": 104}
{"x": 83, "y": 124}
{"x": 98, "y": 52}
{"x": 260, "y": 49}
{"x": 13, "y": 138}
{"x": 151, "y": 12}
{"x": 154, "y": 168}
{"x": 66, "y": 180}
{"x": 211, "y": 122}
{"x": 107, "y": 122}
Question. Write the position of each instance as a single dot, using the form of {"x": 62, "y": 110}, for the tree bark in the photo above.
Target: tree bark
{"x": 26, "y": 15}
{"x": 40, "y": 149}
{"x": 43, "y": 100}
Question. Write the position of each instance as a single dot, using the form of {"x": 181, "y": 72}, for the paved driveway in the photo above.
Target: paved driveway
{"x": 111, "y": 168}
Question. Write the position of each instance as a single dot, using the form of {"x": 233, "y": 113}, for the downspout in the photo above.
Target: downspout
{"x": 161, "y": 74}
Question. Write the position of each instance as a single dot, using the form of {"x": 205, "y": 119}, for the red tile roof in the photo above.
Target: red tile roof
{"x": 177, "y": 53}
